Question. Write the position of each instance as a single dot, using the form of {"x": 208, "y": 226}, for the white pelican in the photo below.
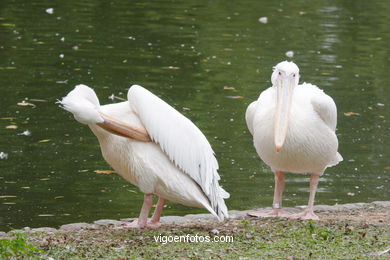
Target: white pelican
{"x": 293, "y": 128}
{"x": 154, "y": 147}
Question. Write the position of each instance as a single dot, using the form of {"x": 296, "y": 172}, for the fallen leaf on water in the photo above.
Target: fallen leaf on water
{"x": 234, "y": 97}
{"x": 133, "y": 191}
{"x": 10, "y": 182}
{"x": 173, "y": 68}
{"x": 46, "y": 215}
{"x": 387, "y": 168}
{"x": 7, "y": 118}
{"x": 9, "y": 203}
{"x": 44, "y": 141}
{"x": 229, "y": 88}
{"x": 38, "y": 100}
{"x": 7, "y": 196}
{"x": 351, "y": 114}
{"x": 25, "y": 187}
{"x": 11, "y": 127}
{"x": 24, "y": 104}
{"x": 67, "y": 143}
{"x": 59, "y": 197}
{"x": 104, "y": 171}
{"x": 44, "y": 179}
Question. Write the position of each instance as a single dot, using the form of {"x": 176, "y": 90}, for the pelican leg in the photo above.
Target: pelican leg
{"x": 309, "y": 212}
{"x": 122, "y": 129}
{"x": 155, "y": 221}
{"x": 141, "y": 222}
{"x": 276, "y": 210}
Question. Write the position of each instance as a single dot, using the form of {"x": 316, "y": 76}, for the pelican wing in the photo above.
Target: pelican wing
{"x": 182, "y": 141}
{"x": 325, "y": 108}
{"x": 249, "y": 115}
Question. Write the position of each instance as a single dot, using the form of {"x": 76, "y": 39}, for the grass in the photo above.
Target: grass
{"x": 253, "y": 238}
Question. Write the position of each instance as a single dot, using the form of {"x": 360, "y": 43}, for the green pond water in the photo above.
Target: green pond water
{"x": 208, "y": 59}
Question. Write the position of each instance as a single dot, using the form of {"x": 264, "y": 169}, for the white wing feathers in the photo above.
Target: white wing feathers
{"x": 326, "y": 109}
{"x": 182, "y": 141}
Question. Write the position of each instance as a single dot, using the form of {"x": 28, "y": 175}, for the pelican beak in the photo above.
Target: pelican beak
{"x": 119, "y": 128}
{"x": 284, "y": 88}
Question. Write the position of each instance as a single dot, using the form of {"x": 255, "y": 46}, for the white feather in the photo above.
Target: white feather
{"x": 182, "y": 141}
{"x": 83, "y": 103}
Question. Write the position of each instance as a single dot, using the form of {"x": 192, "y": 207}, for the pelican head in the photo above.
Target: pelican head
{"x": 285, "y": 78}
{"x": 84, "y": 104}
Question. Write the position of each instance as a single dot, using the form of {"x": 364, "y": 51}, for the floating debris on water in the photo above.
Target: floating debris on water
{"x": 24, "y": 103}
{"x": 229, "y": 88}
{"x": 11, "y": 127}
{"x": 104, "y": 171}
{"x": 234, "y": 97}
{"x": 263, "y": 19}
{"x": 289, "y": 54}
{"x": 3, "y": 155}
{"x": 50, "y": 10}
{"x": 26, "y": 133}
{"x": 351, "y": 114}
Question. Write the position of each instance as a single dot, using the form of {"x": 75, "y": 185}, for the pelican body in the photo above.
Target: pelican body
{"x": 155, "y": 148}
{"x": 293, "y": 128}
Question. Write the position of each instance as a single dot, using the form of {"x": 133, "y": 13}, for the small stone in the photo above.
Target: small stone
{"x": 108, "y": 222}
{"x": 214, "y": 231}
{"x": 354, "y": 205}
{"x": 2, "y": 234}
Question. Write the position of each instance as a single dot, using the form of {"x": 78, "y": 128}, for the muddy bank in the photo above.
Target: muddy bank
{"x": 377, "y": 213}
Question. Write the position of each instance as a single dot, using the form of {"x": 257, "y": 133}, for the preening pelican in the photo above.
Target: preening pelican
{"x": 293, "y": 128}
{"x": 154, "y": 147}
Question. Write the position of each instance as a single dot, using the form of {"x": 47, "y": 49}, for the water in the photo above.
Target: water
{"x": 209, "y": 60}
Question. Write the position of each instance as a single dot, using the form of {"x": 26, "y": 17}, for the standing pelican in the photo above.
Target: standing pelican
{"x": 293, "y": 128}
{"x": 154, "y": 147}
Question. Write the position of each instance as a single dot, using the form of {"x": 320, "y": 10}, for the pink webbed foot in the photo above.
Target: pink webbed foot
{"x": 305, "y": 215}
{"x": 135, "y": 225}
{"x": 269, "y": 213}
{"x": 132, "y": 225}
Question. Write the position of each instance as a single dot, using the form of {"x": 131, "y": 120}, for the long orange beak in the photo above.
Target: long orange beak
{"x": 122, "y": 129}
{"x": 284, "y": 88}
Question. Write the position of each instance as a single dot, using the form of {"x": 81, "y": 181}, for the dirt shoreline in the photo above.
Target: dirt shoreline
{"x": 374, "y": 213}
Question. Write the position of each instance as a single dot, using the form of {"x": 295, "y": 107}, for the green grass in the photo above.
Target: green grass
{"x": 17, "y": 246}
{"x": 270, "y": 239}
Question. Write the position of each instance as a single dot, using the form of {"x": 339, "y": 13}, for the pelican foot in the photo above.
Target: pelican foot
{"x": 132, "y": 225}
{"x": 135, "y": 225}
{"x": 153, "y": 225}
{"x": 305, "y": 215}
{"x": 269, "y": 213}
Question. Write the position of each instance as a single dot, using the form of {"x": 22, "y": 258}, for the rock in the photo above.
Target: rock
{"x": 127, "y": 219}
{"x": 16, "y": 231}
{"x": 327, "y": 208}
{"x": 44, "y": 229}
{"x": 78, "y": 226}
{"x": 385, "y": 204}
{"x": 2, "y": 234}
{"x": 173, "y": 219}
{"x": 199, "y": 216}
{"x": 353, "y": 205}
{"x": 234, "y": 214}
{"x": 108, "y": 222}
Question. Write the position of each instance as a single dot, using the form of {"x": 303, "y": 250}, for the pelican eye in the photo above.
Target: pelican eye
{"x": 294, "y": 75}
{"x": 280, "y": 73}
